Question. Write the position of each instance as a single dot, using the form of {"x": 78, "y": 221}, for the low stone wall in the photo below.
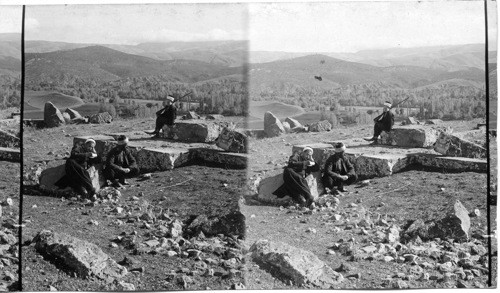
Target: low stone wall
{"x": 233, "y": 160}
{"x": 11, "y": 155}
{"x": 411, "y": 136}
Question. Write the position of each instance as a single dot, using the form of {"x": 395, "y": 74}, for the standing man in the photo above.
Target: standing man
{"x": 120, "y": 164}
{"x": 383, "y": 122}
{"x": 77, "y": 177}
{"x": 165, "y": 116}
{"x": 338, "y": 170}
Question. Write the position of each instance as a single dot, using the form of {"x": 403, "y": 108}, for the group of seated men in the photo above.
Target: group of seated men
{"x": 119, "y": 165}
{"x": 338, "y": 172}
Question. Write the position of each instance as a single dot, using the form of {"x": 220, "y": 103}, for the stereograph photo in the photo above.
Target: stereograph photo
{"x": 368, "y": 153}
{"x": 219, "y": 146}
{"x": 10, "y": 169}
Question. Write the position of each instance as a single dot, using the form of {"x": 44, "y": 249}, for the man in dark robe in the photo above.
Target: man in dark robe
{"x": 383, "y": 122}
{"x": 120, "y": 164}
{"x": 300, "y": 164}
{"x": 165, "y": 116}
{"x": 338, "y": 170}
{"x": 82, "y": 157}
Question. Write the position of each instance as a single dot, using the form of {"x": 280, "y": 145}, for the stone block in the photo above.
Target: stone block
{"x": 450, "y": 164}
{"x": 293, "y": 123}
{"x": 161, "y": 159}
{"x": 83, "y": 258}
{"x": 301, "y": 267}
{"x": 320, "y": 126}
{"x": 195, "y": 131}
{"x": 11, "y": 155}
{"x": 411, "y": 136}
{"x": 211, "y": 156}
{"x": 73, "y": 113}
{"x": 50, "y": 176}
{"x": 273, "y": 180}
{"x": 100, "y": 118}
{"x": 452, "y": 146}
{"x": 8, "y": 140}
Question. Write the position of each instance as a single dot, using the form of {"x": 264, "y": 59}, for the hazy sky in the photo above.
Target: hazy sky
{"x": 10, "y": 19}
{"x": 131, "y": 24}
{"x": 353, "y": 26}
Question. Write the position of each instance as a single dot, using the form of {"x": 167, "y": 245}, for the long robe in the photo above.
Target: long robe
{"x": 76, "y": 167}
{"x": 295, "y": 184}
{"x": 383, "y": 122}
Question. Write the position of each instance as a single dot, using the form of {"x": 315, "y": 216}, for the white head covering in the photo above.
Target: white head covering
{"x": 387, "y": 104}
{"x": 89, "y": 140}
{"x": 171, "y": 99}
{"x": 307, "y": 149}
{"x": 340, "y": 147}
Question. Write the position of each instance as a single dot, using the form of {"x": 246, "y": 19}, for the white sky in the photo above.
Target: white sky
{"x": 11, "y": 19}
{"x": 132, "y": 24}
{"x": 353, "y": 26}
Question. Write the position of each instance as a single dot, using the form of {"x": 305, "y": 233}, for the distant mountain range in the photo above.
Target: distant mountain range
{"x": 225, "y": 53}
{"x": 105, "y": 64}
{"x": 10, "y": 54}
{"x": 305, "y": 71}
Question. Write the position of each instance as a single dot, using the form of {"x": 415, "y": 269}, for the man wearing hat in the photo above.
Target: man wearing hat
{"x": 383, "y": 122}
{"x": 82, "y": 157}
{"x": 338, "y": 170}
{"x": 120, "y": 163}
{"x": 165, "y": 116}
{"x": 300, "y": 164}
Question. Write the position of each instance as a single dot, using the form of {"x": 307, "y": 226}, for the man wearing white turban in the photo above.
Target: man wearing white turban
{"x": 383, "y": 122}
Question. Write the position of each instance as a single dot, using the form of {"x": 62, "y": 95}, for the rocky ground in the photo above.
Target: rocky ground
{"x": 9, "y": 225}
{"x": 171, "y": 231}
{"x": 363, "y": 238}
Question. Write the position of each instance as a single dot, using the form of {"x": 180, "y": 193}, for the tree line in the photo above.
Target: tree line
{"x": 10, "y": 91}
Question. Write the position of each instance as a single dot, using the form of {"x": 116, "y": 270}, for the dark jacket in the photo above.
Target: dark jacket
{"x": 169, "y": 113}
{"x": 386, "y": 119}
{"x": 119, "y": 158}
{"x": 297, "y": 163}
{"x": 337, "y": 165}
{"x": 78, "y": 153}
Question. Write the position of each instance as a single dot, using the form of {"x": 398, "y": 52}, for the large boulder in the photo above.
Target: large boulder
{"x": 150, "y": 159}
{"x": 195, "y": 131}
{"x": 287, "y": 127}
{"x": 453, "y": 146}
{"x": 77, "y": 256}
{"x": 50, "y": 176}
{"x": 300, "y": 266}
{"x": 272, "y": 125}
{"x": 232, "y": 140}
{"x": 410, "y": 121}
{"x": 320, "y": 126}
{"x": 293, "y": 123}
{"x": 52, "y": 116}
{"x": 412, "y": 136}
{"x": 192, "y": 115}
{"x": 72, "y": 113}
{"x": 100, "y": 118}
{"x": 454, "y": 225}
{"x": 449, "y": 164}
{"x": 8, "y": 140}
{"x": 67, "y": 118}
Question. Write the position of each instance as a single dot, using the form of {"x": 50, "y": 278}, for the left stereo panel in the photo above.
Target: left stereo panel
{"x": 10, "y": 170}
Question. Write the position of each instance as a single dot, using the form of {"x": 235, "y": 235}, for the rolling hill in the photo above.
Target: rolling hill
{"x": 301, "y": 72}
{"x": 105, "y": 64}
{"x": 10, "y": 55}
{"x": 223, "y": 53}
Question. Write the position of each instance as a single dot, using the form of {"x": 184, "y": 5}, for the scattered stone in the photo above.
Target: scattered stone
{"x": 8, "y": 202}
{"x": 453, "y": 146}
{"x": 238, "y": 286}
{"x": 100, "y": 118}
{"x": 232, "y": 140}
{"x": 123, "y": 286}
{"x": 475, "y": 213}
{"x": 297, "y": 265}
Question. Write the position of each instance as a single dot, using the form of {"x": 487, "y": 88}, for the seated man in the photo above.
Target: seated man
{"x": 383, "y": 122}
{"x": 299, "y": 166}
{"x": 338, "y": 170}
{"x": 165, "y": 116}
{"x": 120, "y": 164}
{"x": 77, "y": 177}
